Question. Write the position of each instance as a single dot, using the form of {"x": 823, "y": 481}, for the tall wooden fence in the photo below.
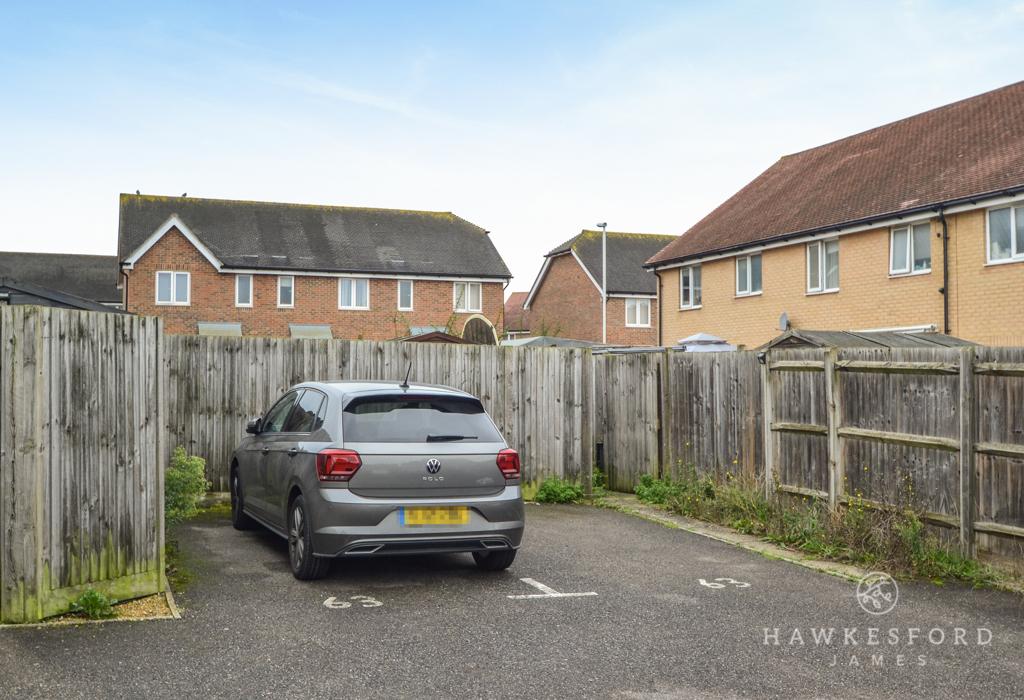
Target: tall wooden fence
{"x": 660, "y": 413}
{"x": 81, "y": 483}
{"x": 540, "y": 398}
{"x": 941, "y": 429}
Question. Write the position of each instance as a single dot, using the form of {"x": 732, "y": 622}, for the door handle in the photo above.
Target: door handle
{"x": 265, "y": 450}
{"x": 293, "y": 451}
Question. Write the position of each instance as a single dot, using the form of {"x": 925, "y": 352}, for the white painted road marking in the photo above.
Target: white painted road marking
{"x": 714, "y": 584}
{"x": 548, "y": 592}
{"x": 364, "y": 601}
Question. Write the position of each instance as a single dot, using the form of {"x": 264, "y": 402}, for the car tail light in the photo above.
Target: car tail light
{"x": 508, "y": 463}
{"x": 337, "y": 465}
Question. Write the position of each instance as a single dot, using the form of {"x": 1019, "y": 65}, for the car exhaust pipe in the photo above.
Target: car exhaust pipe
{"x": 365, "y": 549}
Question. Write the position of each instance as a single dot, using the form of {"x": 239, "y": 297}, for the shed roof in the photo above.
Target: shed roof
{"x": 864, "y": 339}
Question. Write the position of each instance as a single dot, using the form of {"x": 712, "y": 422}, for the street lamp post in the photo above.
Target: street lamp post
{"x": 604, "y": 281}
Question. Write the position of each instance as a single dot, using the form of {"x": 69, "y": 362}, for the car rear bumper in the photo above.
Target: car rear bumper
{"x": 351, "y": 525}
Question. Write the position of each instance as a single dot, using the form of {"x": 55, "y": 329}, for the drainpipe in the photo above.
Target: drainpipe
{"x": 945, "y": 272}
{"x": 124, "y": 276}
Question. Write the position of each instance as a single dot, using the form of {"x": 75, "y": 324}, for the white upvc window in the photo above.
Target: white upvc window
{"x": 823, "y": 266}
{"x": 173, "y": 288}
{"x": 285, "y": 292}
{"x": 1004, "y": 234}
{"x": 689, "y": 287}
{"x": 354, "y": 293}
{"x": 468, "y": 297}
{"x": 243, "y": 291}
{"x": 638, "y": 312}
{"x": 405, "y": 295}
{"x": 748, "y": 275}
{"x": 910, "y": 249}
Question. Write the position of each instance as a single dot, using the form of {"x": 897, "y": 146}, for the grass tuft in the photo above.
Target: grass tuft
{"x": 894, "y": 539}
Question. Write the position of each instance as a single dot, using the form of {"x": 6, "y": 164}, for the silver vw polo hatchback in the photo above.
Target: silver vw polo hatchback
{"x": 355, "y": 469}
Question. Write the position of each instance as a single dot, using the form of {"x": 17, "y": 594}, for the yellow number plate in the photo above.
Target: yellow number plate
{"x": 441, "y": 515}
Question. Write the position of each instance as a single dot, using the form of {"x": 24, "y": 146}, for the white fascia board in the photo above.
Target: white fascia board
{"x": 356, "y": 275}
{"x": 173, "y": 222}
{"x": 632, "y": 296}
{"x": 584, "y": 267}
{"x": 797, "y": 239}
{"x": 537, "y": 281}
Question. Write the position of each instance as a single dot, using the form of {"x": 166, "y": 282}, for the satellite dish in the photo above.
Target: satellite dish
{"x": 784, "y": 322}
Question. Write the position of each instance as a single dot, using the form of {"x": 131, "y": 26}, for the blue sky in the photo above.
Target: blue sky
{"x": 533, "y": 120}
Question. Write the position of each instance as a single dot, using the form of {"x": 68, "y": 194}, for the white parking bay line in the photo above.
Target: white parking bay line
{"x": 548, "y": 592}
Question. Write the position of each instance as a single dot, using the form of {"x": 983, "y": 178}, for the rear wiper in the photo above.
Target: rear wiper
{"x": 445, "y": 438}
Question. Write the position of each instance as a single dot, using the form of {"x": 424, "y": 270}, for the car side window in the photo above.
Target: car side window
{"x": 303, "y": 418}
{"x": 278, "y": 414}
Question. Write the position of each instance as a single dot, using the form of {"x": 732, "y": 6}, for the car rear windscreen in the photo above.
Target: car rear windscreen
{"x": 407, "y": 418}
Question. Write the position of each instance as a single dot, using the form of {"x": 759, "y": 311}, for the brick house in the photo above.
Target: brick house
{"x": 915, "y": 225}
{"x": 226, "y": 267}
{"x": 517, "y": 319}
{"x": 565, "y": 299}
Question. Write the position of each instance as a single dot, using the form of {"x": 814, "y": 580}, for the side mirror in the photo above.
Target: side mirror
{"x": 254, "y": 426}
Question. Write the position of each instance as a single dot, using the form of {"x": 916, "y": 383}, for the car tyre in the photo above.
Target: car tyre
{"x": 495, "y": 561}
{"x": 239, "y": 519}
{"x": 305, "y": 566}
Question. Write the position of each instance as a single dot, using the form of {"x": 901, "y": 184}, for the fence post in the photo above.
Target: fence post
{"x": 769, "y": 436}
{"x": 587, "y": 419}
{"x": 967, "y": 451}
{"x": 836, "y": 468}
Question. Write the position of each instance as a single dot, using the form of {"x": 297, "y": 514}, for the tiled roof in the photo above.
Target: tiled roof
{"x": 93, "y": 277}
{"x": 963, "y": 150}
{"x": 271, "y": 235}
{"x": 626, "y": 255}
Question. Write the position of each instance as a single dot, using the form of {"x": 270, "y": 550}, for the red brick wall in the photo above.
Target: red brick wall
{"x": 316, "y": 300}
{"x": 568, "y": 305}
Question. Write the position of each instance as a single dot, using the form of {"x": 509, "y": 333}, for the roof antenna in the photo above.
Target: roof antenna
{"x": 405, "y": 383}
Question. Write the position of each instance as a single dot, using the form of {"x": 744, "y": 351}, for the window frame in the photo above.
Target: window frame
{"x": 280, "y": 278}
{"x": 909, "y": 228}
{"x": 822, "y": 287}
{"x": 252, "y": 295}
{"x": 467, "y": 309}
{"x": 1015, "y": 256}
{"x": 319, "y": 415}
{"x": 750, "y": 275}
{"x": 690, "y": 305}
{"x": 174, "y": 277}
{"x": 412, "y": 295}
{"x": 353, "y": 280}
{"x": 637, "y": 301}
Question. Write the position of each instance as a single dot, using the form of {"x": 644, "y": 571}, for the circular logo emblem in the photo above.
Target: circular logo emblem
{"x": 877, "y": 593}
{"x": 433, "y": 465}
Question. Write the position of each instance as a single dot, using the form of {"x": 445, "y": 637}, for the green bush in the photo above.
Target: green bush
{"x": 94, "y": 605}
{"x": 184, "y": 484}
{"x": 555, "y": 490}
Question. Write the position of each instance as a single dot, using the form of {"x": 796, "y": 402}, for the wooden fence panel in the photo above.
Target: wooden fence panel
{"x": 907, "y": 403}
{"x": 713, "y": 413}
{"x": 999, "y": 421}
{"x": 535, "y": 396}
{"x": 631, "y": 392}
{"x": 81, "y": 485}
